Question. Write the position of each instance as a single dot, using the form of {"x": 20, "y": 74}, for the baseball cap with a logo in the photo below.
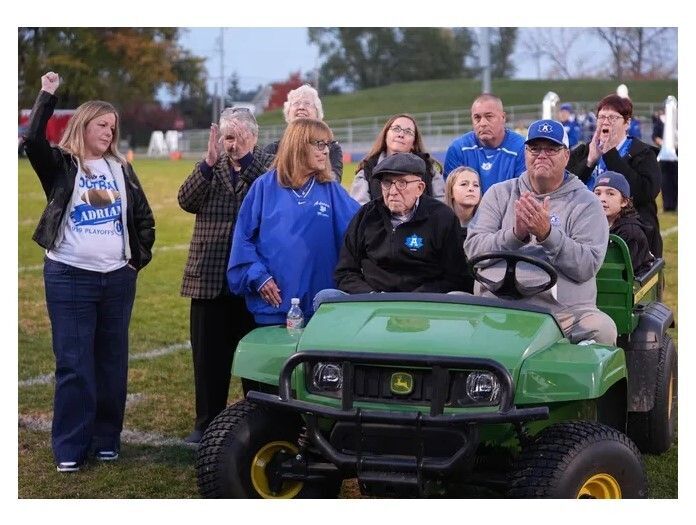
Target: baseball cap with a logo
{"x": 547, "y": 129}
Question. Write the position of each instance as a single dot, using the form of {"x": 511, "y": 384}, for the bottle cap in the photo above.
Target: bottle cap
{"x": 295, "y": 300}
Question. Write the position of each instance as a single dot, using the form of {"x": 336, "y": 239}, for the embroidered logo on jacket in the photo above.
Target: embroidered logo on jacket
{"x": 414, "y": 242}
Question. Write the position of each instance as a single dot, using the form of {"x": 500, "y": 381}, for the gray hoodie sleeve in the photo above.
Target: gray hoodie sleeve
{"x": 487, "y": 231}
{"x": 579, "y": 251}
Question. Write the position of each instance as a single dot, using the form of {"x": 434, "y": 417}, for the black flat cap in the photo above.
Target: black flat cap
{"x": 400, "y": 164}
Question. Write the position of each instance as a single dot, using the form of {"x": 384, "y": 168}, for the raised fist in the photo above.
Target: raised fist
{"x": 50, "y": 82}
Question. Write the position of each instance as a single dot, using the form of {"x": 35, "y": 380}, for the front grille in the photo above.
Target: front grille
{"x": 372, "y": 383}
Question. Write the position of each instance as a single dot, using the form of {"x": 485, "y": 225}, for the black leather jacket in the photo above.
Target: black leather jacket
{"x": 57, "y": 171}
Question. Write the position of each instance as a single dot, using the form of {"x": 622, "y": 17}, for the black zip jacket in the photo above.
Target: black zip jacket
{"x": 57, "y": 171}
{"x": 633, "y": 232}
{"x": 644, "y": 177}
{"x": 424, "y": 254}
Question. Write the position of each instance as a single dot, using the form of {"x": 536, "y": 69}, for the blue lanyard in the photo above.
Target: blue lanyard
{"x": 601, "y": 166}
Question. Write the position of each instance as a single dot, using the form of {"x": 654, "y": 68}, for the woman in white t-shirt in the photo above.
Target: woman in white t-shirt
{"x": 98, "y": 231}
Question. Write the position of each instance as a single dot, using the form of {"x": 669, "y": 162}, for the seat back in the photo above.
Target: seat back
{"x": 615, "y": 286}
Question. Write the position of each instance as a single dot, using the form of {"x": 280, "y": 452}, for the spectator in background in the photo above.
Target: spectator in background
{"x": 613, "y": 192}
{"x": 669, "y": 168}
{"x": 290, "y": 227}
{"x": 570, "y": 124}
{"x": 400, "y": 134}
{"x": 611, "y": 149}
{"x": 98, "y": 231}
{"x": 463, "y": 195}
{"x": 404, "y": 241}
{"x": 494, "y": 151}
{"x": 304, "y": 102}
{"x": 214, "y": 192}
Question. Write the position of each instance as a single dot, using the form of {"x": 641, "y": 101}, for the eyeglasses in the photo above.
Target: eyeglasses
{"x": 550, "y": 151}
{"x": 405, "y": 131}
{"x": 321, "y": 145}
{"x": 302, "y": 104}
{"x": 400, "y": 184}
{"x": 609, "y": 118}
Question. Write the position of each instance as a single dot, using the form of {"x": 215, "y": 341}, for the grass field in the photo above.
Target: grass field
{"x": 154, "y": 461}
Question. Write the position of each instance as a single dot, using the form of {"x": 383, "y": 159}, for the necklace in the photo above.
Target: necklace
{"x": 303, "y": 191}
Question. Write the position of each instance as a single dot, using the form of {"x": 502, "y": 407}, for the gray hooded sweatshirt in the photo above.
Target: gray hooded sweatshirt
{"x": 575, "y": 246}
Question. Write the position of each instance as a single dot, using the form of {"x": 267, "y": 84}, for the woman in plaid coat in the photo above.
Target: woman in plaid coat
{"x": 214, "y": 192}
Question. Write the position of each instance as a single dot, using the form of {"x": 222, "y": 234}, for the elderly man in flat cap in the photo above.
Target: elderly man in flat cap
{"x": 404, "y": 241}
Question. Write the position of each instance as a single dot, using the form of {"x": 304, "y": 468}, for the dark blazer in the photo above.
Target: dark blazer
{"x": 215, "y": 199}
{"x": 57, "y": 170}
{"x": 644, "y": 177}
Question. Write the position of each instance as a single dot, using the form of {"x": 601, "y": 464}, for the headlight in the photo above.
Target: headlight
{"x": 482, "y": 387}
{"x": 327, "y": 377}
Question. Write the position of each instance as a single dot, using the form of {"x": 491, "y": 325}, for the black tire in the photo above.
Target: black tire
{"x": 232, "y": 441}
{"x": 654, "y": 431}
{"x": 577, "y": 460}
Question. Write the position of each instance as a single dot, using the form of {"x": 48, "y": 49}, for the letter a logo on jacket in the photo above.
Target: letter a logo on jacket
{"x": 414, "y": 242}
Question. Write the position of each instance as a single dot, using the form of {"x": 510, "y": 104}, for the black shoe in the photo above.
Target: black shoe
{"x": 194, "y": 437}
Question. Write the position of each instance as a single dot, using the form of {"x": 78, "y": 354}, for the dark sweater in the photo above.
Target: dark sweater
{"x": 424, "y": 254}
{"x": 632, "y": 231}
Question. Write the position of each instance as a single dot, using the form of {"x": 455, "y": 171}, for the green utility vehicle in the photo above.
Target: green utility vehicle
{"x": 444, "y": 395}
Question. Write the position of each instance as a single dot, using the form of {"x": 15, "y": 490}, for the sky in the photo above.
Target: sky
{"x": 264, "y": 54}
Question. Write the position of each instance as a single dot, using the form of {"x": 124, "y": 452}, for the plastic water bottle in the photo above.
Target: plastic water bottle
{"x": 295, "y": 319}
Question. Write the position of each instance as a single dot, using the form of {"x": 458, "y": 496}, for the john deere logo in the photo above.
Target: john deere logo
{"x": 401, "y": 383}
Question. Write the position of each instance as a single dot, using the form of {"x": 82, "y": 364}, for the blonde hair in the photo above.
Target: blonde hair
{"x": 292, "y": 159}
{"x": 452, "y": 180}
{"x": 73, "y": 140}
{"x": 304, "y": 91}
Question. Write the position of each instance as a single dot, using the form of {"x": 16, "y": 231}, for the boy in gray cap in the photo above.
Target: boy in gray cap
{"x": 613, "y": 191}
{"x": 404, "y": 241}
{"x": 548, "y": 213}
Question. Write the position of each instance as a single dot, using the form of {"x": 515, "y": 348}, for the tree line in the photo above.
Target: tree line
{"x": 129, "y": 66}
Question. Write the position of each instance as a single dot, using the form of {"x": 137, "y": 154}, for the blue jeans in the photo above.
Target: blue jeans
{"x": 90, "y": 313}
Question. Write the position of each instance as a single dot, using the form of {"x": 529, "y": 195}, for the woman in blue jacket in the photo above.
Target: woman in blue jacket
{"x": 290, "y": 227}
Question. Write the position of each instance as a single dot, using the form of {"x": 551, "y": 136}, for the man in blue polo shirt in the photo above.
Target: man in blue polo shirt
{"x": 495, "y": 152}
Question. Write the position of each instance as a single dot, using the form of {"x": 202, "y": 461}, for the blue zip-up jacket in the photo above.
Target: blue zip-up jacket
{"x": 493, "y": 164}
{"x": 295, "y": 240}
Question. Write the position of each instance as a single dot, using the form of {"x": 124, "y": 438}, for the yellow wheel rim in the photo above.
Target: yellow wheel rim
{"x": 259, "y": 480}
{"x": 670, "y": 396}
{"x": 600, "y": 486}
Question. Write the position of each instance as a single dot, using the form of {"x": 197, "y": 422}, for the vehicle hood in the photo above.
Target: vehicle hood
{"x": 501, "y": 333}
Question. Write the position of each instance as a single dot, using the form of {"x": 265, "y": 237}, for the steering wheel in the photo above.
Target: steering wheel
{"x": 509, "y": 287}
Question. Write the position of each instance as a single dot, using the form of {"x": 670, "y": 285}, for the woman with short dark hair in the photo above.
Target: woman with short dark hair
{"x": 612, "y": 149}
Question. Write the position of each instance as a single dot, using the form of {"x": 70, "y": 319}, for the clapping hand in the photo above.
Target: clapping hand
{"x": 50, "y": 82}
{"x": 533, "y": 216}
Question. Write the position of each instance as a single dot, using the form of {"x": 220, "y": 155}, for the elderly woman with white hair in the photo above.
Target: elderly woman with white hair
{"x": 304, "y": 102}
{"x": 213, "y": 192}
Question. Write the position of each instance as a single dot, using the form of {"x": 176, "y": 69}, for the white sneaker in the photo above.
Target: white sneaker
{"x": 106, "y": 455}
{"x": 67, "y": 466}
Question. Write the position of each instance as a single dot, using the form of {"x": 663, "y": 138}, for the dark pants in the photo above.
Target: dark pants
{"x": 90, "y": 313}
{"x": 669, "y": 185}
{"x": 217, "y": 325}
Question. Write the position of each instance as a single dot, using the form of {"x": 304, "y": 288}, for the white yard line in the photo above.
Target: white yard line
{"x": 135, "y": 437}
{"x": 669, "y": 231}
{"x": 150, "y": 354}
